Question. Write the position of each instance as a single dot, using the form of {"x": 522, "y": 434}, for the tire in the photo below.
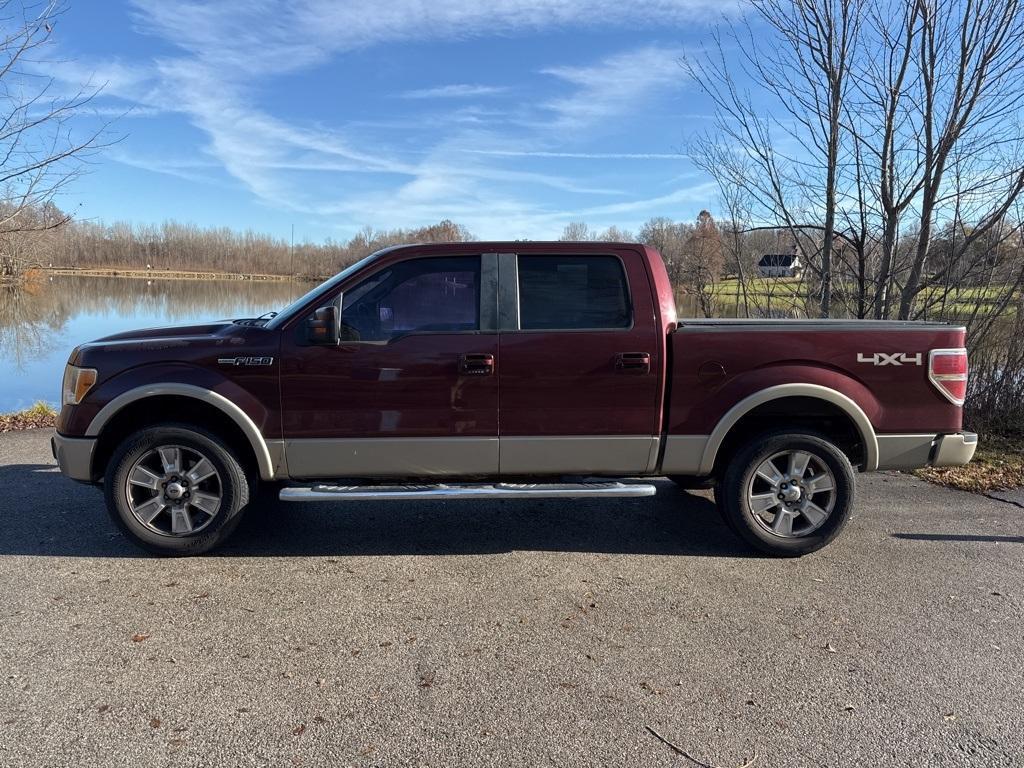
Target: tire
{"x": 811, "y": 512}
{"x": 160, "y": 462}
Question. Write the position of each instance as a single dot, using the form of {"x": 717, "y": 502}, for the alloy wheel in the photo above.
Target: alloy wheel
{"x": 792, "y": 493}
{"x": 174, "y": 490}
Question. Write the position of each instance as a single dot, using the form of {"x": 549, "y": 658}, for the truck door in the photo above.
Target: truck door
{"x": 411, "y": 387}
{"x": 580, "y": 350}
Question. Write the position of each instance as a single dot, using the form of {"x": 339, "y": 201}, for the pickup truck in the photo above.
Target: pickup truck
{"x": 506, "y": 370}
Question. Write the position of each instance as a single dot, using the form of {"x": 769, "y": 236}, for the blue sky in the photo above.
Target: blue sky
{"x": 512, "y": 119}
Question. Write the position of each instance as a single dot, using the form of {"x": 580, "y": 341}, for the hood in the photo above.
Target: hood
{"x": 168, "y": 331}
{"x": 199, "y": 343}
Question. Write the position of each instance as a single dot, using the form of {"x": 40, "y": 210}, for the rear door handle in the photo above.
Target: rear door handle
{"x": 473, "y": 364}
{"x": 633, "y": 362}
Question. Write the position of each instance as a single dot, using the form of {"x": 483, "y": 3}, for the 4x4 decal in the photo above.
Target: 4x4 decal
{"x": 885, "y": 358}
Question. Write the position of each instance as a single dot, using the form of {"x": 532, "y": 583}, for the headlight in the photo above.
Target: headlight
{"x": 77, "y": 381}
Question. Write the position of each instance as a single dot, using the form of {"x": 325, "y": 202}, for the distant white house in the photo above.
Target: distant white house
{"x": 780, "y": 265}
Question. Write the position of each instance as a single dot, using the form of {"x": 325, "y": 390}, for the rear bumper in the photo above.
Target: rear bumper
{"x": 925, "y": 450}
{"x": 954, "y": 450}
{"x": 74, "y": 456}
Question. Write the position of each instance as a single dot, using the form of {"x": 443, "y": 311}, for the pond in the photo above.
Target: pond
{"x": 41, "y": 322}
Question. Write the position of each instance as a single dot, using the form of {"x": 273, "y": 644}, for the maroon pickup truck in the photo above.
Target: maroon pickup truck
{"x": 506, "y": 370}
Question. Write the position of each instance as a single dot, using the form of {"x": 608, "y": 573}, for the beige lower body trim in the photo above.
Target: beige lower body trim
{"x": 922, "y": 450}
{"x": 683, "y": 454}
{"x": 904, "y": 451}
{"x": 392, "y": 457}
{"x": 278, "y": 460}
{"x": 578, "y": 455}
{"x": 74, "y": 456}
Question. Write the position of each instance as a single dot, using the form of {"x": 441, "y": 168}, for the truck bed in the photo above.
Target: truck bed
{"x": 714, "y": 365}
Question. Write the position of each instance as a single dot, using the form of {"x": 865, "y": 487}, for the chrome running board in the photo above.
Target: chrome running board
{"x": 466, "y": 491}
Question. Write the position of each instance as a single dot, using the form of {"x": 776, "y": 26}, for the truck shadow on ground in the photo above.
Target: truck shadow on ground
{"x": 45, "y": 514}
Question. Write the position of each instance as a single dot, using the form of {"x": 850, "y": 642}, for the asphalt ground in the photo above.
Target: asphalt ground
{"x": 521, "y": 633}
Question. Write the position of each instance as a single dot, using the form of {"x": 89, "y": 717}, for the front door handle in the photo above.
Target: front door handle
{"x": 633, "y": 362}
{"x": 473, "y": 364}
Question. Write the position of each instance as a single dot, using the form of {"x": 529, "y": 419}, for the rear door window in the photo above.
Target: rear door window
{"x": 573, "y": 293}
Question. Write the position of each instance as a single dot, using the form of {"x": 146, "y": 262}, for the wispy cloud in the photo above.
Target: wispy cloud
{"x": 224, "y": 53}
{"x": 294, "y": 34}
{"x": 614, "y": 85}
{"x": 190, "y": 169}
{"x": 454, "y": 91}
{"x": 580, "y": 155}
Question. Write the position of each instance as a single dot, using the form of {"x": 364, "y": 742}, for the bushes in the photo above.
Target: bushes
{"x": 995, "y": 397}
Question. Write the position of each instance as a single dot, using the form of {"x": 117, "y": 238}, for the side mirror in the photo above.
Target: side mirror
{"x": 322, "y": 327}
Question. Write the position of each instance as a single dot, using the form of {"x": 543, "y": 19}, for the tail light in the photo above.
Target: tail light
{"x": 947, "y": 371}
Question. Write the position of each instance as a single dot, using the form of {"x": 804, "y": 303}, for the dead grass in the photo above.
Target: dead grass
{"x": 997, "y": 465}
{"x": 39, "y": 415}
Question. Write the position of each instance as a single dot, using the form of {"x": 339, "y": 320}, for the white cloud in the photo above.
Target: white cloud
{"x": 492, "y": 213}
{"x": 580, "y": 155}
{"x": 190, "y": 169}
{"x": 226, "y": 50}
{"x": 264, "y": 36}
{"x": 615, "y": 85}
{"x": 454, "y": 91}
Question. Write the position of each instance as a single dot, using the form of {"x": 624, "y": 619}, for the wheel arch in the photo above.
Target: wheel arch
{"x": 194, "y": 403}
{"x": 830, "y": 399}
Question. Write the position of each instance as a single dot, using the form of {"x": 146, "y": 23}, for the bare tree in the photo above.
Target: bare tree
{"x": 806, "y": 69}
{"x": 576, "y": 231}
{"x": 887, "y": 121}
{"x": 970, "y": 58}
{"x": 703, "y": 262}
{"x": 173, "y": 246}
{"x": 39, "y": 152}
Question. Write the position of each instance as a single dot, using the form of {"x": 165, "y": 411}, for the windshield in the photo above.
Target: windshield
{"x": 283, "y": 316}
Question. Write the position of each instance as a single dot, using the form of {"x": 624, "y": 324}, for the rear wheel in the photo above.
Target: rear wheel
{"x": 787, "y": 494}
{"x": 176, "y": 489}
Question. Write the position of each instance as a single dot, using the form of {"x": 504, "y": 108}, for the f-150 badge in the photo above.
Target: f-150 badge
{"x": 245, "y": 360}
{"x": 885, "y": 358}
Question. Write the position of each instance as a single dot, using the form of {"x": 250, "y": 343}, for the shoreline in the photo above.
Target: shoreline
{"x": 159, "y": 274}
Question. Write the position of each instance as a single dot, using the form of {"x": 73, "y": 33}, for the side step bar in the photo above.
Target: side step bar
{"x": 466, "y": 491}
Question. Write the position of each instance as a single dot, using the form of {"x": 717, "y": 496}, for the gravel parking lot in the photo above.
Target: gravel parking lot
{"x": 509, "y": 633}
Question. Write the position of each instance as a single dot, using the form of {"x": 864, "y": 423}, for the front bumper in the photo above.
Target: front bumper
{"x": 927, "y": 450}
{"x": 74, "y": 456}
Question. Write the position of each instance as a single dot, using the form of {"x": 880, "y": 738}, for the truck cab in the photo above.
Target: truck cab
{"x": 514, "y": 370}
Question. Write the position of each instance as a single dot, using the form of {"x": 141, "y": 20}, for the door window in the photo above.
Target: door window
{"x": 572, "y": 293}
{"x": 440, "y": 295}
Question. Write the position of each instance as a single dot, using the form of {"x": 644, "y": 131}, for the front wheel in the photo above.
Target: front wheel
{"x": 176, "y": 489}
{"x": 787, "y": 494}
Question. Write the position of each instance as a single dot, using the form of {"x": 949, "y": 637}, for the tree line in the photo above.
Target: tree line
{"x": 175, "y": 246}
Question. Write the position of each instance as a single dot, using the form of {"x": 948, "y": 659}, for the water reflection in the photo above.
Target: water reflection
{"x": 41, "y": 322}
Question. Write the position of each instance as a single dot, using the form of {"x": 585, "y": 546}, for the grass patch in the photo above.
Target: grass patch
{"x": 998, "y": 465}
{"x": 960, "y": 301}
{"x": 39, "y": 415}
